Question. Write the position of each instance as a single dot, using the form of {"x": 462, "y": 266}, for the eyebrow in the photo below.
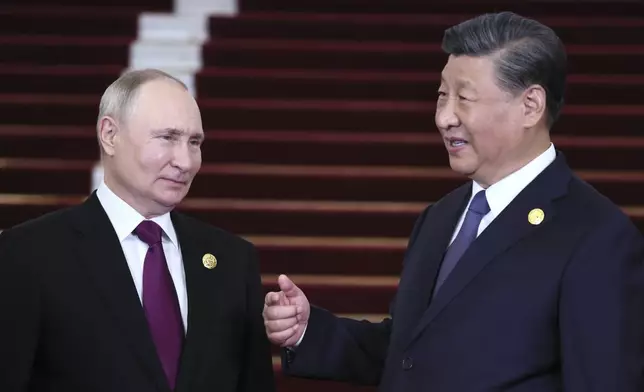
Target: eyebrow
{"x": 179, "y": 132}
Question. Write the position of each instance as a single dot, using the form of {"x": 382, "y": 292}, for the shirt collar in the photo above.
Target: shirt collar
{"x": 500, "y": 194}
{"x": 125, "y": 218}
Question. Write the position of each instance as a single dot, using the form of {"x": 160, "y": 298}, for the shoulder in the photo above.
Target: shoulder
{"x": 35, "y": 240}
{"x": 208, "y": 232}
{"x": 590, "y": 207}
{"x": 48, "y": 225}
{"x": 601, "y": 222}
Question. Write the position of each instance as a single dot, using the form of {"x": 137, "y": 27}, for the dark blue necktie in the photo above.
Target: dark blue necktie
{"x": 476, "y": 211}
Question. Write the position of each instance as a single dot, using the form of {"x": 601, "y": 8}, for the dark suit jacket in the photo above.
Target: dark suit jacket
{"x": 557, "y": 306}
{"x": 73, "y": 322}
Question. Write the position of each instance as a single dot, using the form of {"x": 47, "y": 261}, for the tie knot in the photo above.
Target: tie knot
{"x": 149, "y": 232}
{"x": 479, "y": 204}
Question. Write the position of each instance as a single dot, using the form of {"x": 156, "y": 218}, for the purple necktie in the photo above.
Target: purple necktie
{"x": 467, "y": 234}
{"x": 160, "y": 301}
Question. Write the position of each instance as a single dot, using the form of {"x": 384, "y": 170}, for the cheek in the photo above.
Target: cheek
{"x": 488, "y": 134}
{"x": 487, "y": 145}
{"x": 154, "y": 158}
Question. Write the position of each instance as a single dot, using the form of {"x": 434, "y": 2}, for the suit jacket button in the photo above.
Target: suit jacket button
{"x": 407, "y": 363}
{"x": 290, "y": 355}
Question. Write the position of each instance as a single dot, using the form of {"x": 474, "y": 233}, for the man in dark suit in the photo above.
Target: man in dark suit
{"x": 122, "y": 294}
{"x": 525, "y": 279}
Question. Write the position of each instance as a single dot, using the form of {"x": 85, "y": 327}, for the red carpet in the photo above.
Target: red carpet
{"x": 410, "y": 86}
{"x": 392, "y": 56}
{"x": 108, "y": 6}
{"x": 419, "y": 28}
{"x": 74, "y": 22}
{"x": 29, "y": 50}
{"x": 321, "y": 146}
{"x": 529, "y": 8}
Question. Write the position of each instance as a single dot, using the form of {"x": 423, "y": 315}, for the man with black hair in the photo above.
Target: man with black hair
{"x": 523, "y": 279}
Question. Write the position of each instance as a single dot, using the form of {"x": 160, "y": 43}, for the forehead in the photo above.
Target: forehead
{"x": 471, "y": 72}
{"x": 162, "y": 104}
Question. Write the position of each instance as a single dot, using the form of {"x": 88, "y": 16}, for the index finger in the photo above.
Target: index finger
{"x": 272, "y": 298}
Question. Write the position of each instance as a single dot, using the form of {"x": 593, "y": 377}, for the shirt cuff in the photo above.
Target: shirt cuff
{"x": 300, "y": 340}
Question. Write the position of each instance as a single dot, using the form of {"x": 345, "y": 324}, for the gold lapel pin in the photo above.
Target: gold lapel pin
{"x": 209, "y": 261}
{"x": 536, "y": 216}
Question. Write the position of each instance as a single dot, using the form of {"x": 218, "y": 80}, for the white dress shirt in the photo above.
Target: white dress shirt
{"x": 125, "y": 219}
{"x": 500, "y": 194}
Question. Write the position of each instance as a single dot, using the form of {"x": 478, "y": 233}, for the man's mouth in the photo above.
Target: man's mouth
{"x": 456, "y": 142}
{"x": 176, "y": 181}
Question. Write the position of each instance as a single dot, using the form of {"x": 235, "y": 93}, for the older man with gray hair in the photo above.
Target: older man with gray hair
{"x": 121, "y": 293}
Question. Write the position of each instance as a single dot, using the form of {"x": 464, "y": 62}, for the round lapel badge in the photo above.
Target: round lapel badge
{"x": 209, "y": 261}
{"x": 536, "y": 216}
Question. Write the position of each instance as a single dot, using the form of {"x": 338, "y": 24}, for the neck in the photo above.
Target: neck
{"x": 536, "y": 146}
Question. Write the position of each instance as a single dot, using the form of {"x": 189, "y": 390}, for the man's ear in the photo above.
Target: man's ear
{"x": 107, "y": 132}
{"x": 534, "y": 105}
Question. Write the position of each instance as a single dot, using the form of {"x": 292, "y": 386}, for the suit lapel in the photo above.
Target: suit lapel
{"x": 205, "y": 288}
{"x": 506, "y": 230}
{"x": 424, "y": 258}
{"x": 101, "y": 254}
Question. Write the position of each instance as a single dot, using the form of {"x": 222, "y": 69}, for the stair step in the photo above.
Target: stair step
{"x": 51, "y": 50}
{"x": 299, "y": 182}
{"x": 309, "y": 217}
{"x": 412, "y": 86}
{"x": 58, "y": 79}
{"x": 408, "y": 28}
{"x": 369, "y": 294}
{"x": 308, "y": 115}
{"x": 34, "y": 22}
{"x": 532, "y": 8}
{"x": 427, "y": 57}
{"x": 375, "y": 256}
{"x": 315, "y": 147}
{"x": 131, "y": 5}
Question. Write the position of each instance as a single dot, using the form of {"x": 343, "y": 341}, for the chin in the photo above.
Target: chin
{"x": 170, "y": 199}
{"x": 461, "y": 167}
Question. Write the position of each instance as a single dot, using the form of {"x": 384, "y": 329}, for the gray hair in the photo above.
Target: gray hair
{"x": 117, "y": 99}
{"x": 528, "y": 53}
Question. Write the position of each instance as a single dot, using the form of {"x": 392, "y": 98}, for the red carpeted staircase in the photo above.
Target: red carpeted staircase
{"x": 321, "y": 146}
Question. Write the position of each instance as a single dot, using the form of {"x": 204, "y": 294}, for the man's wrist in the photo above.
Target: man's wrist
{"x": 299, "y": 341}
